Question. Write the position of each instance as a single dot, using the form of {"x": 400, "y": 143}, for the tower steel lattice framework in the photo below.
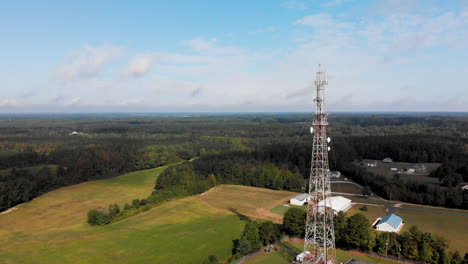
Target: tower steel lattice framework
{"x": 319, "y": 233}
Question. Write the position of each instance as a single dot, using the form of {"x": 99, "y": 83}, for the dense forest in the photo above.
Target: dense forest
{"x": 40, "y": 153}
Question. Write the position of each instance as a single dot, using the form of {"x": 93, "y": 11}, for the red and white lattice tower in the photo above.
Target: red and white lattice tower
{"x": 319, "y": 243}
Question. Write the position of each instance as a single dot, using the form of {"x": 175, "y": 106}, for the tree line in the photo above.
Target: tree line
{"x": 76, "y": 164}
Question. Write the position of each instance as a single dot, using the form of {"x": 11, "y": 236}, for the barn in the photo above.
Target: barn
{"x": 300, "y": 199}
{"x": 390, "y": 223}
{"x": 337, "y": 203}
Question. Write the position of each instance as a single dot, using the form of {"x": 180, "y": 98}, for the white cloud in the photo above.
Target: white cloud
{"x": 211, "y": 46}
{"x": 294, "y": 4}
{"x": 140, "y": 65}
{"x": 75, "y": 101}
{"x": 86, "y": 62}
{"x": 263, "y": 30}
{"x": 381, "y": 62}
{"x": 322, "y": 21}
{"x": 133, "y": 101}
{"x": 9, "y": 103}
{"x": 333, "y": 3}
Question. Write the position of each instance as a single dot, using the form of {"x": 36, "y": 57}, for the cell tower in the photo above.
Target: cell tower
{"x": 319, "y": 244}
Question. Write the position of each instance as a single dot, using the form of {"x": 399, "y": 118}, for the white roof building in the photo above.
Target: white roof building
{"x": 337, "y": 203}
{"x": 465, "y": 187}
{"x": 387, "y": 160}
{"x": 300, "y": 199}
{"x": 301, "y": 256}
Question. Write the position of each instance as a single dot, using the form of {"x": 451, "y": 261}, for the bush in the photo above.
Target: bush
{"x": 98, "y": 217}
{"x": 294, "y": 221}
{"x": 212, "y": 259}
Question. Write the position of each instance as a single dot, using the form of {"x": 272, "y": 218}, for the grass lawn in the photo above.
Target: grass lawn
{"x": 52, "y": 228}
{"x": 372, "y": 211}
{"x": 281, "y": 209}
{"x": 451, "y": 227}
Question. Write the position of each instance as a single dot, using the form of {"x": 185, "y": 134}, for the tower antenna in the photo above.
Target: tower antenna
{"x": 319, "y": 243}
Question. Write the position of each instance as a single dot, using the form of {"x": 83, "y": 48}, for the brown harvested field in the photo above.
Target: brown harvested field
{"x": 250, "y": 201}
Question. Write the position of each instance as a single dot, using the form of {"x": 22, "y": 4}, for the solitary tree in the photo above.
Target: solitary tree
{"x": 294, "y": 221}
{"x": 251, "y": 234}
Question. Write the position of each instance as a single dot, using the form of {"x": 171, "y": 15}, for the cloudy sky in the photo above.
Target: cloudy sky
{"x": 181, "y": 56}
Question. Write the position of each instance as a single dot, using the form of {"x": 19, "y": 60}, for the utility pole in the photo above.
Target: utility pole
{"x": 319, "y": 233}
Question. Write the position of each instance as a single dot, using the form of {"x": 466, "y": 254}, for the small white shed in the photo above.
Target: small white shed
{"x": 301, "y": 256}
{"x": 300, "y": 199}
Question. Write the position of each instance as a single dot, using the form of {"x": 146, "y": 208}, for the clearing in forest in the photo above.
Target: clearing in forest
{"x": 249, "y": 201}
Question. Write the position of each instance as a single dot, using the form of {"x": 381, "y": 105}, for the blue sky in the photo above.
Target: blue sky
{"x": 153, "y": 56}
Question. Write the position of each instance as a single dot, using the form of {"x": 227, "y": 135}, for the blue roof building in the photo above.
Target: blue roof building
{"x": 390, "y": 223}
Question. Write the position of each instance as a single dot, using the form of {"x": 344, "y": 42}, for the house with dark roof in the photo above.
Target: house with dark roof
{"x": 389, "y": 223}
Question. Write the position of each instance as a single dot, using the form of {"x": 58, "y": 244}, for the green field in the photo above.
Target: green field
{"x": 281, "y": 209}
{"x": 53, "y": 229}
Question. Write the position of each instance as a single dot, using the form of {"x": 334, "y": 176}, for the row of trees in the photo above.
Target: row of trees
{"x": 198, "y": 176}
{"x": 101, "y": 216}
{"x": 355, "y": 232}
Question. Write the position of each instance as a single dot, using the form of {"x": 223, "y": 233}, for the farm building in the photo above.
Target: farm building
{"x": 465, "y": 187}
{"x": 393, "y": 169}
{"x": 369, "y": 163}
{"x": 335, "y": 174}
{"x": 389, "y": 223}
{"x": 409, "y": 170}
{"x": 300, "y": 199}
{"x": 301, "y": 256}
{"x": 387, "y": 160}
{"x": 337, "y": 203}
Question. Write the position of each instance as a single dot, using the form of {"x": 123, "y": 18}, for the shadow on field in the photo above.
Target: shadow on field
{"x": 240, "y": 215}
